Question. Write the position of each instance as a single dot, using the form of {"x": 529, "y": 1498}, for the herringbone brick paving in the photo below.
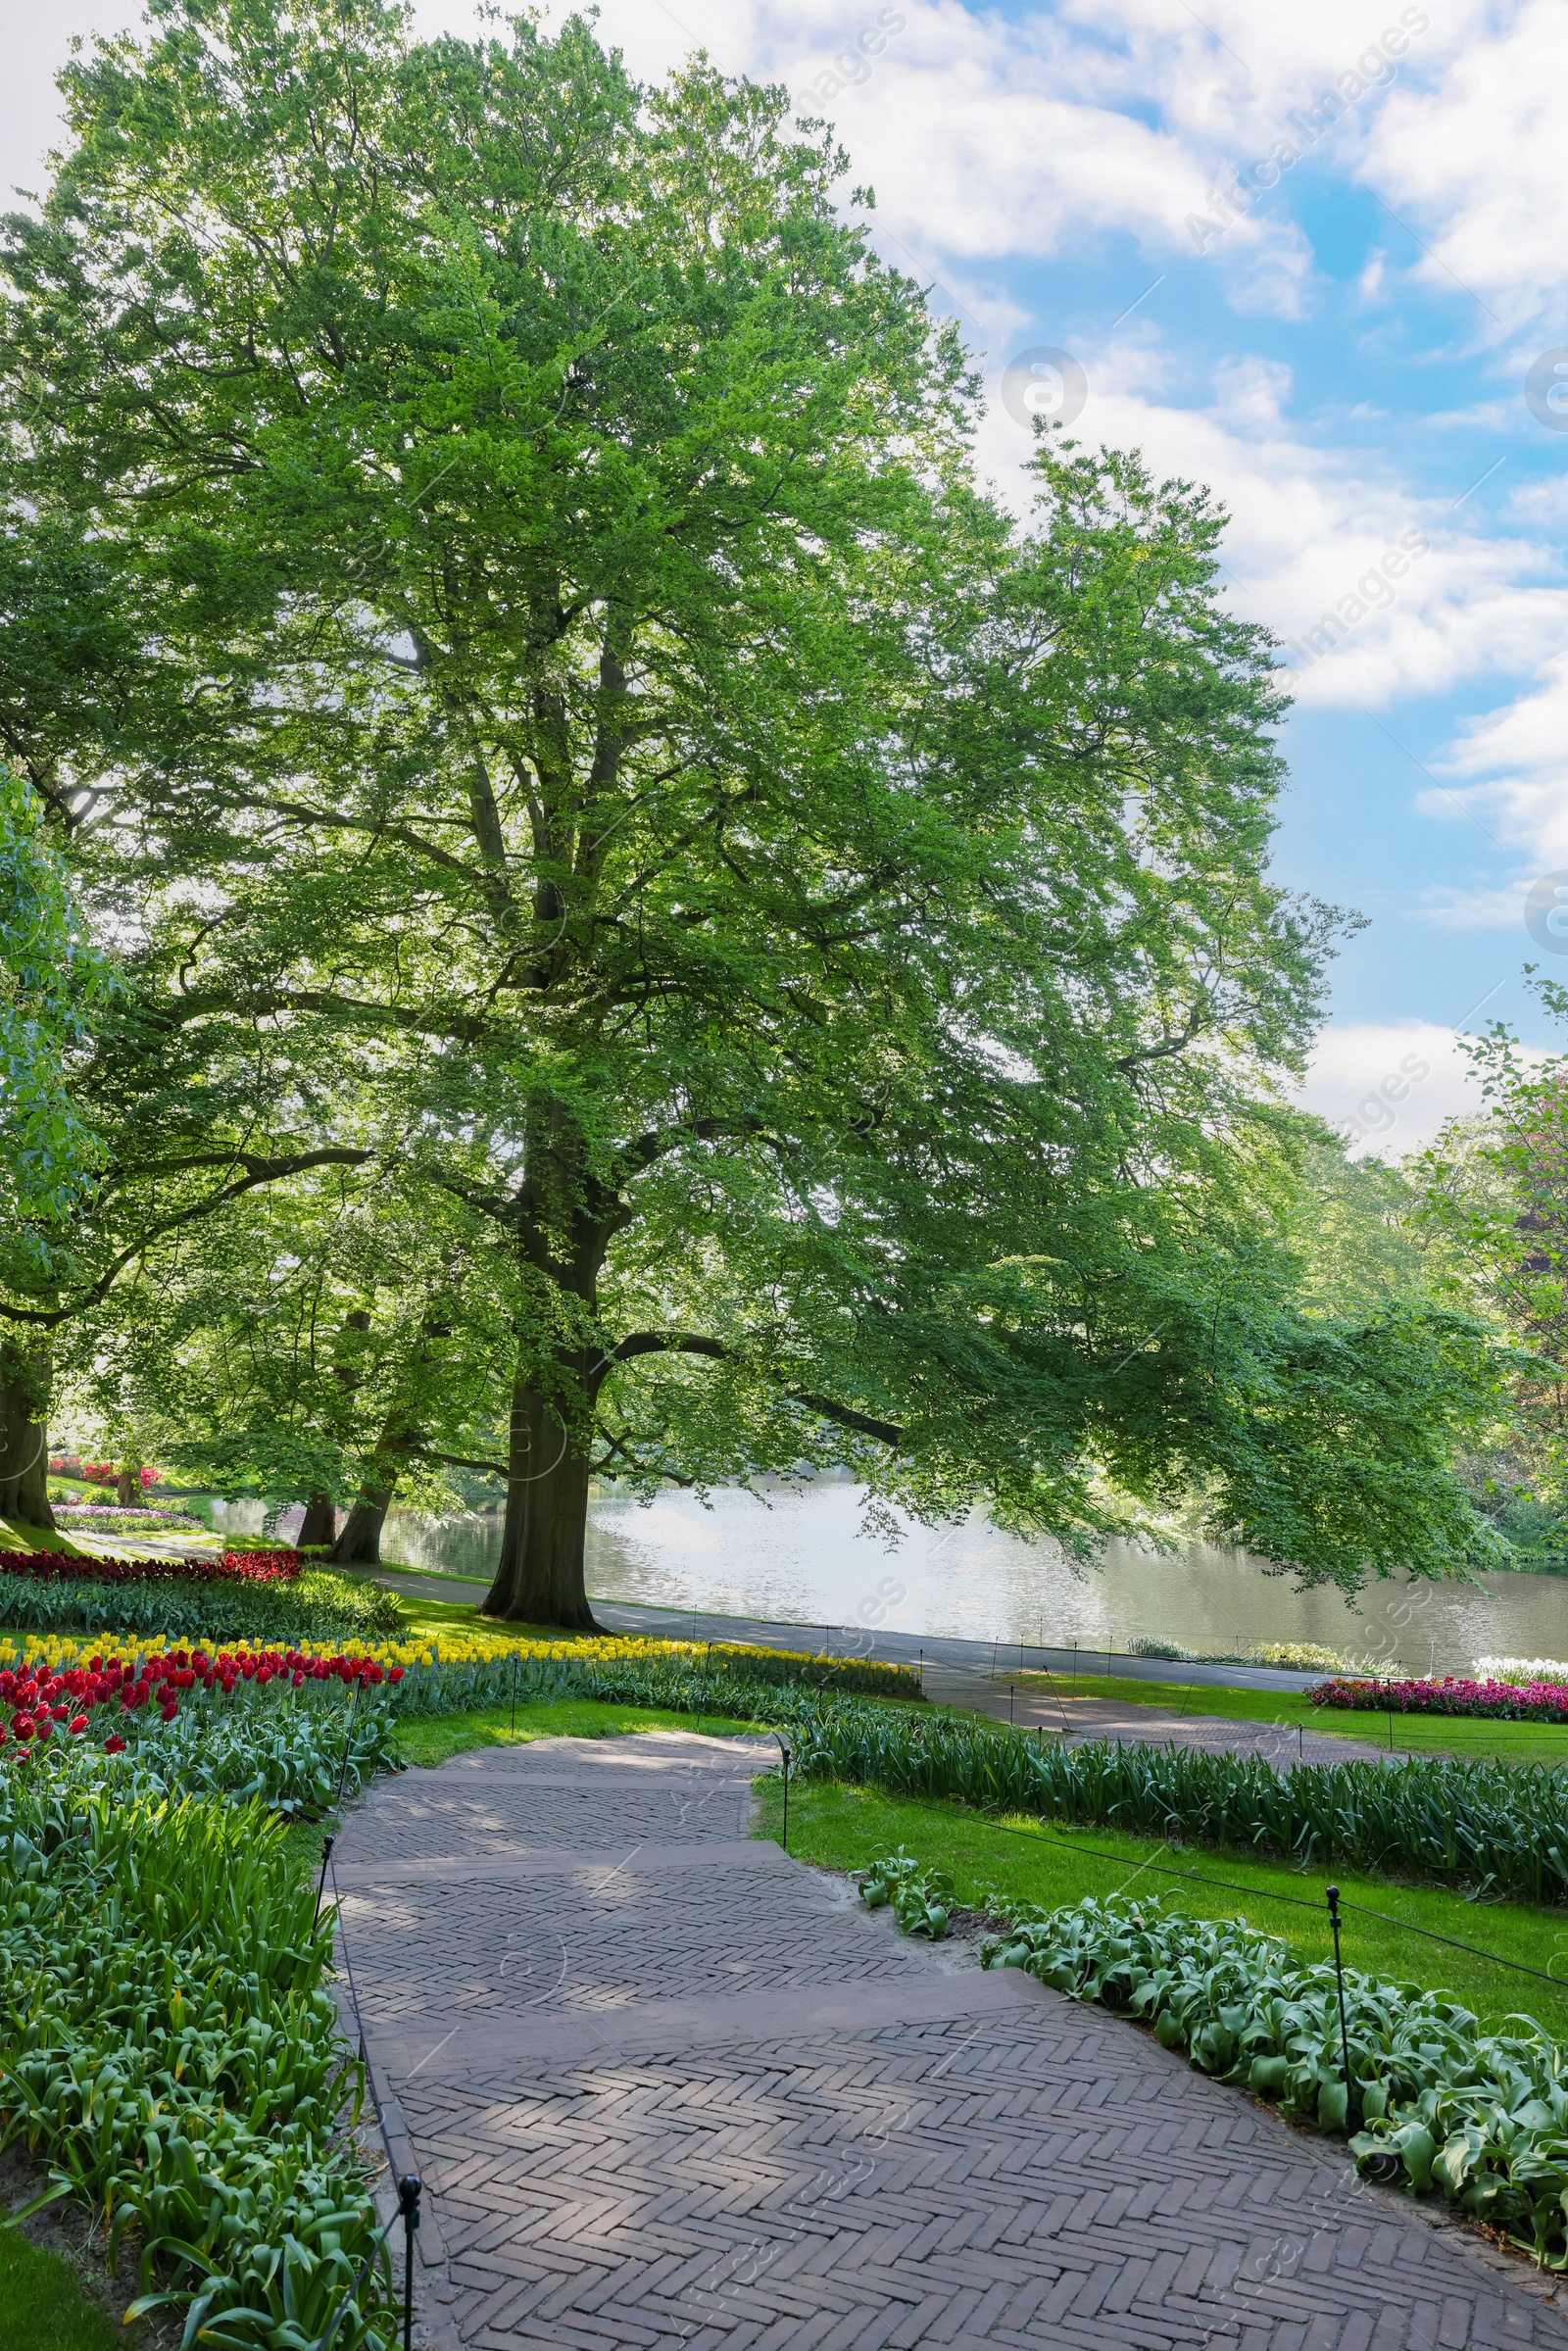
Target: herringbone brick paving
{"x": 708, "y": 2103}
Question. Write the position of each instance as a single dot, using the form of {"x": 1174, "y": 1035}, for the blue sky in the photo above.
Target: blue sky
{"x": 1329, "y": 312}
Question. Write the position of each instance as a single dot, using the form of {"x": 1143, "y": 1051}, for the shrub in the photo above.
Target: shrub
{"x": 1495, "y": 1827}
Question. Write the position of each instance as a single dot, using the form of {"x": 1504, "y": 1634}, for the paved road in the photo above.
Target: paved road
{"x": 669, "y": 2088}
{"x": 954, "y": 1658}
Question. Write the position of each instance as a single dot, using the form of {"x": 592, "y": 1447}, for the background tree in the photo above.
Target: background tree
{"x": 322, "y": 1343}
{"x": 593, "y": 732}
{"x": 1493, "y": 1190}
{"x": 50, "y": 981}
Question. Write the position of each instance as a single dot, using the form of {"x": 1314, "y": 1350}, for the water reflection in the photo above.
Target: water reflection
{"x": 799, "y": 1554}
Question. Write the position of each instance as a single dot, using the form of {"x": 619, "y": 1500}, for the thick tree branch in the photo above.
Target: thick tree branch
{"x": 844, "y": 1416}
{"x": 634, "y": 1156}
{"x": 1168, "y": 1044}
{"x": 262, "y": 1171}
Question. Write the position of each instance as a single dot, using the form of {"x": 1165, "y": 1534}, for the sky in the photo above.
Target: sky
{"x": 1311, "y": 258}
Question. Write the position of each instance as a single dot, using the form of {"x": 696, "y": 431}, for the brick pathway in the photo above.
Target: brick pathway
{"x": 1133, "y": 1724}
{"x": 669, "y": 2087}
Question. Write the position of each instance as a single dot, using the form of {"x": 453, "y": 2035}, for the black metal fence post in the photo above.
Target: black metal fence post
{"x": 348, "y": 1742}
{"x": 408, "y": 2206}
{"x": 327, "y": 1842}
{"x": 1333, "y": 1893}
{"x": 785, "y": 1754}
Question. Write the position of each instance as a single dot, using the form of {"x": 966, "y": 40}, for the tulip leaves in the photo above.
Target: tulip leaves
{"x": 1483, "y": 2117}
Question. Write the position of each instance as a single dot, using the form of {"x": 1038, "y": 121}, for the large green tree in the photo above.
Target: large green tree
{"x": 814, "y": 937}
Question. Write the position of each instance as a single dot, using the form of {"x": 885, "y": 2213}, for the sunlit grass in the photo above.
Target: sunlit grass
{"x": 433, "y": 1739}
{"x": 1290, "y": 1711}
{"x": 1048, "y": 1863}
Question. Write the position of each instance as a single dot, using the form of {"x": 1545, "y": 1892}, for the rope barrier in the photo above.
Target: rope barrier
{"x": 409, "y": 2183}
{"x": 1260, "y": 1893}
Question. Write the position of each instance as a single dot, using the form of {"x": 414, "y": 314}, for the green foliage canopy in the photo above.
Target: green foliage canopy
{"x": 599, "y": 750}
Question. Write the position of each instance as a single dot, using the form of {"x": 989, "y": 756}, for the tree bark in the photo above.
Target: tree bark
{"x": 25, "y": 1439}
{"x": 359, "y": 1542}
{"x": 540, "y": 1578}
{"x": 320, "y": 1522}
{"x": 128, "y": 1486}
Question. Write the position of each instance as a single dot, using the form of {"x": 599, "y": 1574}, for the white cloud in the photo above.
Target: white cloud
{"x": 1478, "y": 161}
{"x": 1317, "y": 532}
{"x": 1541, "y": 501}
{"x": 1388, "y": 1085}
{"x": 1501, "y": 909}
{"x": 1520, "y": 754}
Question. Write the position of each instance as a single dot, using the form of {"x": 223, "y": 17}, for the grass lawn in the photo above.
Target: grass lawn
{"x": 453, "y": 1616}
{"x": 1047, "y": 1863}
{"x": 437, "y": 1575}
{"x": 42, "y": 2306}
{"x": 431, "y": 1741}
{"x": 1413, "y": 1733}
{"x": 15, "y": 1537}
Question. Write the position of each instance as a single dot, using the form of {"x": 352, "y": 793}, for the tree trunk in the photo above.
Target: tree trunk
{"x": 25, "y": 1439}
{"x": 321, "y": 1523}
{"x": 128, "y": 1486}
{"x": 540, "y": 1579}
{"x": 359, "y": 1544}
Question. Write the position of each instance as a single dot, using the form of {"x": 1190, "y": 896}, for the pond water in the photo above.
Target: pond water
{"x": 798, "y": 1553}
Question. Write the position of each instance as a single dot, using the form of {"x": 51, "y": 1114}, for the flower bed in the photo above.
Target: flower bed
{"x": 169, "y": 2048}
{"x": 1521, "y": 1670}
{"x": 272, "y": 1596}
{"x": 474, "y": 1669}
{"x": 1531, "y": 1701}
{"x": 1441, "y": 2103}
{"x": 231, "y": 1567}
{"x": 109, "y": 1519}
{"x": 270, "y": 1723}
{"x": 40, "y": 1695}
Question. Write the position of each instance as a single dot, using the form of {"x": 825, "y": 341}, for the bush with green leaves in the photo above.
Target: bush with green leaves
{"x": 169, "y": 2050}
{"x": 1496, "y": 1828}
{"x": 921, "y": 1900}
{"x": 291, "y": 1752}
{"x": 1481, "y": 2116}
{"x": 317, "y": 1605}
